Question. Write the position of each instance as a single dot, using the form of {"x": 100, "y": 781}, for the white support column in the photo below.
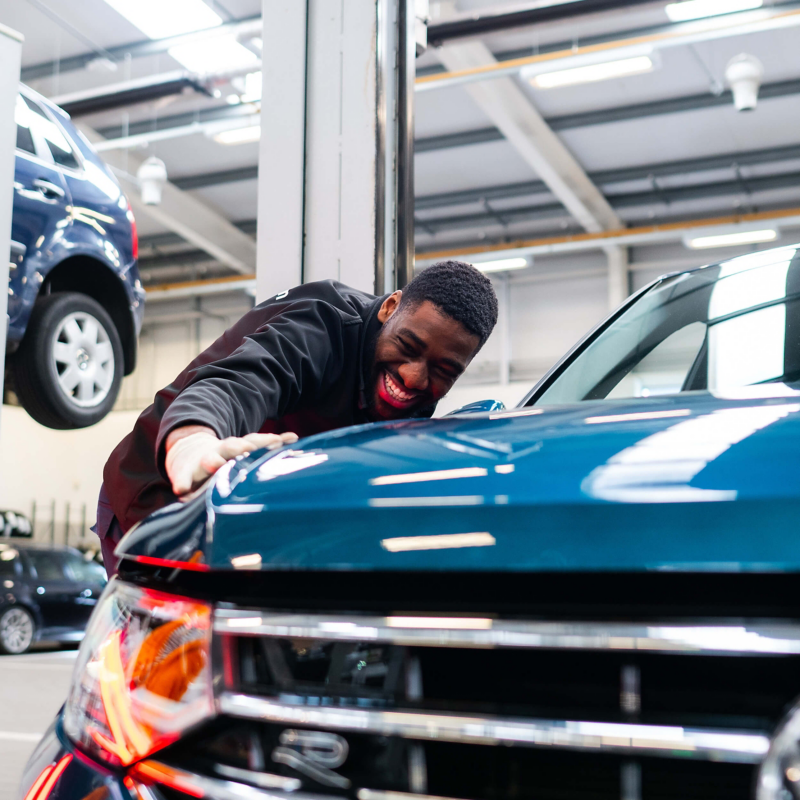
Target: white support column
{"x": 10, "y": 59}
{"x": 327, "y": 169}
{"x": 618, "y": 276}
{"x": 281, "y": 158}
{"x": 341, "y": 135}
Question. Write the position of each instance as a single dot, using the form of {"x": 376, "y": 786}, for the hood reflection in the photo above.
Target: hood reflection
{"x": 659, "y": 468}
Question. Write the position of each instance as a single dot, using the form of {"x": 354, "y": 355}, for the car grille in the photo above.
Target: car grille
{"x": 485, "y": 708}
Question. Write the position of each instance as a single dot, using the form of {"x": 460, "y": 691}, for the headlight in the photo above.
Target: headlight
{"x": 142, "y": 675}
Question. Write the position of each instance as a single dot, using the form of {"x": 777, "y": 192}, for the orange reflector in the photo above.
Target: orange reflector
{"x": 160, "y": 773}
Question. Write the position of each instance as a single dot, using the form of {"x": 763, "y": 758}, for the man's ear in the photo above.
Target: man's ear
{"x": 389, "y": 306}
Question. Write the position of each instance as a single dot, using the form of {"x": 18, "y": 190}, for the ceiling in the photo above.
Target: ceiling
{"x": 660, "y": 146}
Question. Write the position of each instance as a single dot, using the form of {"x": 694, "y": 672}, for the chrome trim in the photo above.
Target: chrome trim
{"x": 701, "y": 743}
{"x": 265, "y": 780}
{"x": 203, "y": 786}
{"x": 374, "y": 794}
{"x": 476, "y": 632}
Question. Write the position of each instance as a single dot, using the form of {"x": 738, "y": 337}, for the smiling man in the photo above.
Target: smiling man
{"x": 317, "y": 357}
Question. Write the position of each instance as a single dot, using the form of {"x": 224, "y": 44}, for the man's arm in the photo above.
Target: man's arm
{"x": 194, "y": 453}
{"x": 295, "y": 355}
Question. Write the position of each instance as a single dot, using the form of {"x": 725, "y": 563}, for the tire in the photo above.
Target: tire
{"x": 17, "y": 631}
{"x": 68, "y": 368}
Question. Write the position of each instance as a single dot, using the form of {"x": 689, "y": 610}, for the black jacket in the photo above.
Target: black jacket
{"x": 297, "y": 362}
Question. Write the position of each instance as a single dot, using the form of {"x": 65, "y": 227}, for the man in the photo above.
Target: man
{"x": 318, "y": 357}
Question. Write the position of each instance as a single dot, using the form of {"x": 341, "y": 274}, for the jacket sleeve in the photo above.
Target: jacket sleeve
{"x": 297, "y": 353}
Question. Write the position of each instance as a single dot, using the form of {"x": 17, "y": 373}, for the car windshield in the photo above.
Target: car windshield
{"x": 722, "y": 327}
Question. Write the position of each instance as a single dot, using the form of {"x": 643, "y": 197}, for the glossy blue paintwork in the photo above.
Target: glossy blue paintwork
{"x": 91, "y": 220}
{"x": 700, "y": 483}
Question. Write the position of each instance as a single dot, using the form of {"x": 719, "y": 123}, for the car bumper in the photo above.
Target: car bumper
{"x": 57, "y": 771}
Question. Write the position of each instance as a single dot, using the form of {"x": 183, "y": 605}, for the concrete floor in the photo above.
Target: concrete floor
{"x": 32, "y": 689}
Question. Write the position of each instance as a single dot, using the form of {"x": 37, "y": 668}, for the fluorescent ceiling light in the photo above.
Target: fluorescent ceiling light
{"x": 502, "y": 265}
{"x": 157, "y": 19}
{"x": 698, "y": 9}
{"x": 593, "y": 72}
{"x": 223, "y": 55}
{"x": 444, "y": 541}
{"x": 252, "y": 133}
{"x": 731, "y": 239}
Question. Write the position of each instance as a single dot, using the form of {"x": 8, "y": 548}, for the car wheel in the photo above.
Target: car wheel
{"x": 16, "y": 630}
{"x": 68, "y": 368}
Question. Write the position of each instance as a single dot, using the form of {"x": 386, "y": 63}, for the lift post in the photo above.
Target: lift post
{"x": 335, "y": 197}
{"x": 10, "y": 60}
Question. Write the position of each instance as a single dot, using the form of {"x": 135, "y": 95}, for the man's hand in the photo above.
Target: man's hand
{"x": 194, "y": 453}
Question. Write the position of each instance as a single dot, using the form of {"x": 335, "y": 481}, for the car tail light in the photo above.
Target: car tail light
{"x": 48, "y": 777}
{"x": 142, "y": 676}
{"x": 134, "y": 233}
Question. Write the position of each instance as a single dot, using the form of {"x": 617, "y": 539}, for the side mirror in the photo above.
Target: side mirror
{"x": 481, "y": 407}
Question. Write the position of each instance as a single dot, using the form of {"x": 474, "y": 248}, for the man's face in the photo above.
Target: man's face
{"x": 419, "y": 354}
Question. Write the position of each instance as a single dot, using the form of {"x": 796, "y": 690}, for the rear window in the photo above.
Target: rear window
{"x": 24, "y": 135}
{"x": 9, "y": 558}
{"x": 85, "y": 571}
{"x": 47, "y": 565}
{"x": 54, "y": 138}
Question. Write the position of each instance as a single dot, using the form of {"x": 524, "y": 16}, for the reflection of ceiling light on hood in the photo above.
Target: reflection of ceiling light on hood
{"x": 732, "y": 239}
{"x": 444, "y": 541}
{"x": 502, "y": 265}
{"x": 591, "y": 73}
{"x": 697, "y": 9}
{"x": 252, "y": 133}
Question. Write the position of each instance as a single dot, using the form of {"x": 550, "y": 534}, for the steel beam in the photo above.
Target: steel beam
{"x": 481, "y": 24}
{"x": 216, "y": 178}
{"x": 663, "y": 196}
{"x": 654, "y": 108}
{"x": 514, "y": 114}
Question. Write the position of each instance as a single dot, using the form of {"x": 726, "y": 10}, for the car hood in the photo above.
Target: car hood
{"x": 692, "y": 482}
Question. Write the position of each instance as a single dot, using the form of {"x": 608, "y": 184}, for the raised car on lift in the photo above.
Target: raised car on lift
{"x": 75, "y": 301}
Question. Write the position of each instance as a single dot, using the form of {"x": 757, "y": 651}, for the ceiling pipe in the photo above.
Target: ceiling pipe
{"x": 648, "y": 234}
{"x": 685, "y": 33}
{"x": 481, "y": 24}
{"x": 249, "y": 26}
{"x": 207, "y": 128}
{"x": 554, "y": 245}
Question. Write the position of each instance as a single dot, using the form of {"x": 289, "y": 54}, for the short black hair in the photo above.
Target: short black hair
{"x": 458, "y": 290}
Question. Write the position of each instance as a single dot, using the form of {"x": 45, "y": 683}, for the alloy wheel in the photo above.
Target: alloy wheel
{"x": 84, "y": 359}
{"x": 16, "y": 631}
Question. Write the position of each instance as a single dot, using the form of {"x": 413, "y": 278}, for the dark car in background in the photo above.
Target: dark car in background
{"x": 75, "y": 301}
{"x": 47, "y": 594}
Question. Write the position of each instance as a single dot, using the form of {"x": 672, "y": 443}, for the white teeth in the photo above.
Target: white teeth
{"x": 394, "y": 390}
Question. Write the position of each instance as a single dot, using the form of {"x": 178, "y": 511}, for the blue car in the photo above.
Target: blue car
{"x": 592, "y": 595}
{"x": 75, "y": 301}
